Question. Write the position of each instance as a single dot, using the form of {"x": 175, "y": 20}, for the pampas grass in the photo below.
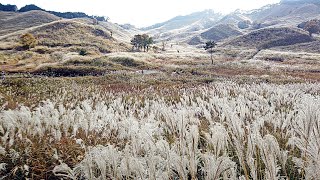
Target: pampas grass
{"x": 221, "y": 131}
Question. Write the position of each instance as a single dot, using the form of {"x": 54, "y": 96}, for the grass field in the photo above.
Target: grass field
{"x": 225, "y": 129}
{"x": 182, "y": 118}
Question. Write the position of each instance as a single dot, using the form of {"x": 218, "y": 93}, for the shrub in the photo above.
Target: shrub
{"x": 28, "y": 41}
{"x": 83, "y": 52}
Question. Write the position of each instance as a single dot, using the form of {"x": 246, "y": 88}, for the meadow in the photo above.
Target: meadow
{"x": 103, "y": 128}
{"x": 205, "y": 96}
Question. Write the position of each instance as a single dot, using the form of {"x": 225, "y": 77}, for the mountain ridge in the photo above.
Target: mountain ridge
{"x": 67, "y": 15}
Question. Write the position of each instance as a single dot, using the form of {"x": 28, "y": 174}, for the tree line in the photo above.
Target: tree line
{"x": 67, "y": 15}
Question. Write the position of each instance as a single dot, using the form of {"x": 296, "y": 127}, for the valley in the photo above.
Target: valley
{"x": 80, "y": 99}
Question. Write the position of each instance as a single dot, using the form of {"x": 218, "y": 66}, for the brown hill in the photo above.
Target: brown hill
{"x": 121, "y": 33}
{"x": 216, "y": 33}
{"x": 221, "y": 31}
{"x": 271, "y": 37}
{"x": 59, "y": 42}
{"x": 13, "y": 21}
{"x": 71, "y": 33}
{"x": 311, "y": 47}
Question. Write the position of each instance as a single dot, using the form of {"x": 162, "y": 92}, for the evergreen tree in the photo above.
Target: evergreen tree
{"x": 141, "y": 41}
{"x": 209, "y": 47}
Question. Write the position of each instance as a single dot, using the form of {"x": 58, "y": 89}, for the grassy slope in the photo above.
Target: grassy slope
{"x": 58, "y": 42}
{"x": 271, "y": 37}
{"x": 11, "y": 22}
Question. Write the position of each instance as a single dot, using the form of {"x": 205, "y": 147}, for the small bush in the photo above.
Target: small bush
{"x": 83, "y": 52}
{"x": 28, "y": 41}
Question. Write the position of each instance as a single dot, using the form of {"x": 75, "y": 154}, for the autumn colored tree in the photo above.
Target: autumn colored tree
{"x": 28, "y": 41}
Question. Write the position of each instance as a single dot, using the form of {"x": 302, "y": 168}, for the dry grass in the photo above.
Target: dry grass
{"x": 12, "y": 22}
{"x": 271, "y": 37}
{"x": 84, "y": 125}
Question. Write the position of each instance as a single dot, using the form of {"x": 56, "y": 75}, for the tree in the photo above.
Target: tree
{"x": 150, "y": 41}
{"x": 142, "y": 41}
{"x": 209, "y": 47}
{"x": 164, "y": 44}
{"x": 28, "y": 41}
{"x": 312, "y": 26}
{"x": 136, "y": 41}
{"x": 146, "y": 41}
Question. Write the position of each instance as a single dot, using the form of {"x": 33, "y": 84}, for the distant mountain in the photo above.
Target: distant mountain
{"x": 127, "y": 26}
{"x": 183, "y": 28}
{"x": 67, "y": 15}
{"x": 30, "y": 7}
{"x": 8, "y": 7}
{"x": 193, "y": 22}
{"x": 234, "y": 18}
{"x": 298, "y": 1}
{"x": 70, "y": 15}
{"x": 285, "y": 13}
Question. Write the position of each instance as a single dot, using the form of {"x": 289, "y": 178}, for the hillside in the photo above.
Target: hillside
{"x": 298, "y": 1}
{"x": 120, "y": 33}
{"x": 198, "y": 27}
{"x": 286, "y": 13}
{"x": 182, "y": 28}
{"x": 216, "y": 33}
{"x": 310, "y": 47}
{"x": 233, "y": 18}
{"x": 12, "y": 21}
{"x": 58, "y": 43}
{"x": 205, "y": 18}
{"x": 66, "y": 33}
{"x": 271, "y": 37}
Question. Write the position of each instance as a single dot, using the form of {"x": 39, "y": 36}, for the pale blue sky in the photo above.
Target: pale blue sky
{"x": 142, "y": 12}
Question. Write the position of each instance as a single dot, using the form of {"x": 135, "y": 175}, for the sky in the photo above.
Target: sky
{"x": 142, "y": 13}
